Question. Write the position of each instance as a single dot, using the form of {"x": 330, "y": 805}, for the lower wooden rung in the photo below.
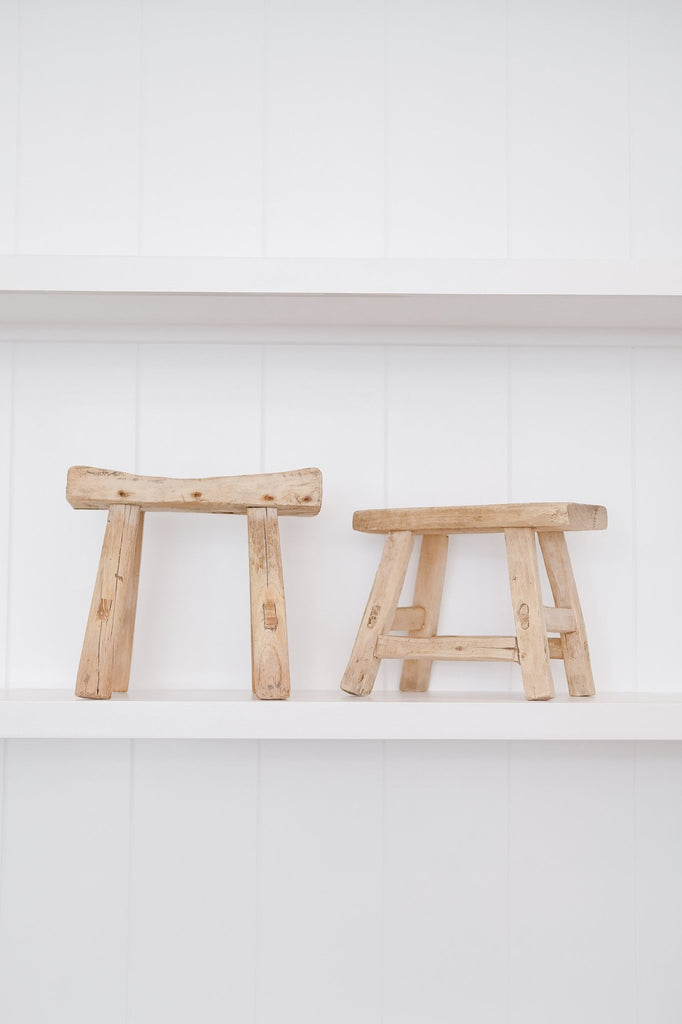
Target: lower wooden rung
{"x": 448, "y": 648}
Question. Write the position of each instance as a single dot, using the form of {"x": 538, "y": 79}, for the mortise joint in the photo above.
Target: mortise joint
{"x": 270, "y": 615}
{"x": 524, "y": 616}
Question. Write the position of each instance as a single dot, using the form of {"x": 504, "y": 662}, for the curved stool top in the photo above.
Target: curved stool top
{"x": 297, "y": 492}
{"x": 555, "y": 517}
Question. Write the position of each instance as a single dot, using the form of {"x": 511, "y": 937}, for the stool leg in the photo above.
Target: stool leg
{"x": 573, "y": 645}
{"x": 379, "y": 614}
{"x": 269, "y": 648}
{"x": 531, "y": 633}
{"x": 124, "y": 645}
{"x": 104, "y": 660}
{"x": 428, "y": 593}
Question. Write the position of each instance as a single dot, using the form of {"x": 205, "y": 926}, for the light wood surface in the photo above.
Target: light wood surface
{"x": 269, "y": 647}
{"x": 408, "y": 618}
{"x": 559, "y": 620}
{"x": 531, "y": 631}
{"x": 554, "y": 516}
{"x": 296, "y": 492}
{"x": 379, "y": 613}
{"x": 428, "y": 592}
{"x": 124, "y": 641}
{"x": 424, "y": 650}
{"x": 105, "y": 658}
{"x": 574, "y": 647}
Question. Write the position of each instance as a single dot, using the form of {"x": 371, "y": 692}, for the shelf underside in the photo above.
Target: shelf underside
{"x": 407, "y": 292}
{"x": 235, "y": 714}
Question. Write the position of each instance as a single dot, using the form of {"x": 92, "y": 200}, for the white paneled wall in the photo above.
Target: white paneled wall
{"x": 428, "y": 128}
{"x": 327, "y": 882}
{"x": 307, "y": 881}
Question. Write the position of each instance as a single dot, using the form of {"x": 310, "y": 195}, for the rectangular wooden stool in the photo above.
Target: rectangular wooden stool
{"x": 530, "y": 647}
{"x": 107, "y": 648}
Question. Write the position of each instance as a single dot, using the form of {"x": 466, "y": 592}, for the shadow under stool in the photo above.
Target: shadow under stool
{"x": 262, "y": 498}
{"x": 530, "y": 647}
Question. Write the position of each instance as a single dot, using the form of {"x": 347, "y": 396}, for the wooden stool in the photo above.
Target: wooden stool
{"x": 108, "y": 644}
{"x": 530, "y": 647}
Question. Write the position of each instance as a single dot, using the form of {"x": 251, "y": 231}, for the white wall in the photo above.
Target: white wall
{"x": 442, "y": 128}
{"x": 153, "y": 882}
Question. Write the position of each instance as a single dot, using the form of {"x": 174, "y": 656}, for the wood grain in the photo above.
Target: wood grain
{"x": 269, "y": 647}
{"x": 379, "y": 613}
{"x": 105, "y": 658}
{"x": 428, "y": 592}
{"x": 296, "y": 492}
{"x": 531, "y": 632}
{"x": 483, "y": 518}
{"x": 448, "y": 648}
{"x": 575, "y": 650}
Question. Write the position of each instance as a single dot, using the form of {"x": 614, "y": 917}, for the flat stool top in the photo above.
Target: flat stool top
{"x": 297, "y": 492}
{"x": 549, "y": 517}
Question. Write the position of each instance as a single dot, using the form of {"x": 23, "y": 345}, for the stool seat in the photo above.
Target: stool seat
{"x": 539, "y": 516}
{"x": 297, "y": 492}
{"x": 524, "y": 527}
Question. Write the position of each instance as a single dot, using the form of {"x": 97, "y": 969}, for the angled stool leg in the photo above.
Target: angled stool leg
{"x": 124, "y": 641}
{"x": 531, "y": 632}
{"x": 269, "y": 648}
{"x": 428, "y": 593}
{"x": 379, "y": 614}
{"x": 103, "y": 666}
{"x": 574, "y": 647}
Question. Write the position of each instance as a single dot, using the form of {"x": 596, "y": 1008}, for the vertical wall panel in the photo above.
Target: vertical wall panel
{"x": 193, "y": 884}
{"x": 656, "y": 138}
{"x": 659, "y": 883}
{"x": 446, "y": 172}
{"x": 568, "y": 129}
{"x": 323, "y": 407}
{"x": 320, "y": 891}
{"x": 6, "y": 358}
{"x": 571, "y": 441}
{"x": 202, "y": 128}
{"x": 447, "y": 445}
{"x": 74, "y": 405}
{"x": 9, "y": 113}
{"x": 571, "y": 870}
{"x": 80, "y": 88}
{"x": 658, "y": 498}
{"x": 325, "y": 131}
{"x": 199, "y": 416}
{"x": 445, "y": 950}
{"x": 63, "y": 929}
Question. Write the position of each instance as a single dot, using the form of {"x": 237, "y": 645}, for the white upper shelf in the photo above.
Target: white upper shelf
{"x": 333, "y": 715}
{"x": 418, "y": 292}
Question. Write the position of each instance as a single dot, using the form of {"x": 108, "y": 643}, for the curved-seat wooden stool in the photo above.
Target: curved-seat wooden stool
{"x": 531, "y": 646}
{"x": 108, "y": 644}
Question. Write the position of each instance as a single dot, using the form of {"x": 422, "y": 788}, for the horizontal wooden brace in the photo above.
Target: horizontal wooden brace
{"x": 559, "y": 620}
{"x": 448, "y": 648}
{"x": 409, "y": 618}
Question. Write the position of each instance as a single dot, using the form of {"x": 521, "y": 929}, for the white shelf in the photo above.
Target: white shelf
{"x": 330, "y": 715}
{"x": 422, "y": 292}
